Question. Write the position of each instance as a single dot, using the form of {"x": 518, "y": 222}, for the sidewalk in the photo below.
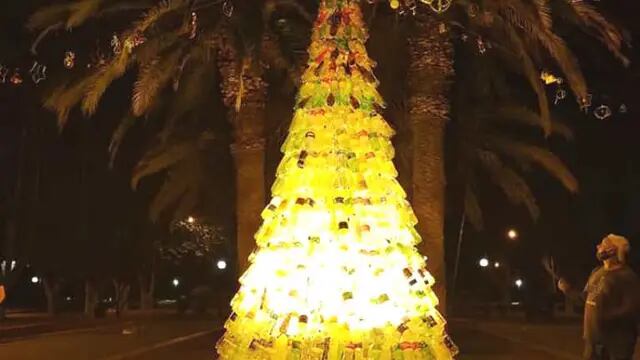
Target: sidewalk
{"x": 562, "y": 340}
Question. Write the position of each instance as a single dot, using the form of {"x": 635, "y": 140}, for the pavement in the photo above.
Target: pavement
{"x": 193, "y": 338}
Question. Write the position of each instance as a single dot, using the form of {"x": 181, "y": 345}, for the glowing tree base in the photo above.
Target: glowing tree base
{"x": 336, "y": 274}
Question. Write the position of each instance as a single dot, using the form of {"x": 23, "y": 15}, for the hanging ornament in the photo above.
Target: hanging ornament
{"x": 194, "y": 25}
{"x": 38, "y": 72}
{"x": 411, "y": 6}
{"x": 549, "y": 78}
{"x": 116, "y": 45}
{"x": 561, "y": 94}
{"x": 394, "y": 4}
{"x": 227, "y": 8}
{"x": 472, "y": 11}
{"x": 481, "y": 46}
{"x": 4, "y": 72}
{"x": 602, "y": 112}
{"x": 16, "y": 78}
{"x": 585, "y": 103}
{"x": 623, "y": 109}
{"x": 69, "y": 59}
{"x": 133, "y": 41}
{"x": 438, "y": 6}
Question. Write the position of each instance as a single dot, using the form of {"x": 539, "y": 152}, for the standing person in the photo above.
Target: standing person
{"x": 612, "y": 300}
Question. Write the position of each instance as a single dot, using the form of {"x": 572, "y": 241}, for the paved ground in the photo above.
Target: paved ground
{"x": 172, "y": 337}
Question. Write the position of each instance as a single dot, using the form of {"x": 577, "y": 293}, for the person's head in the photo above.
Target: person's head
{"x": 613, "y": 249}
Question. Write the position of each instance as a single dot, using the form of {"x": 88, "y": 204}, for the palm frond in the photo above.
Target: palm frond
{"x": 152, "y": 78}
{"x": 543, "y": 157}
{"x": 524, "y": 116}
{"x": 80, "y": 11}
{"x": 156, "y": 13}
{"x": 118, "y": 136}
{"x": 159, "y": 159}
{"x": 101, "y": 79}
{"x": 48, "y": 16}
{"x": 531, "y": 73}
{"x": 472, "y": 209}
{"x": 588, "y": 17}
{"x": 63, "y": 99}
{"x": 512, "y": 184}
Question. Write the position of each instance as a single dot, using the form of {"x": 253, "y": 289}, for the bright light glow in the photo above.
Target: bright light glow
{"x": 336, "y": 273}
{"x": 496, "y": 264}
{"x": 35, "y": 279}
{"x": 519, "y": 283}
{"x": 176, "y": 282}
{"x": 191, "y": 220}
{"x": 512, "y": 234}
{"x": 484, "y": 262}
{"x": 221, "y": 264}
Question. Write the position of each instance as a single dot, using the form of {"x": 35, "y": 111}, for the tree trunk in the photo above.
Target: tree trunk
{"x": 51, "y": 292}
{"x": 90, "y": 298}
{"x": 147, "y": 288}
{"x": 430, "y": 69}
{"x": 244, "y": 93}
{"x": 122, "y": 290}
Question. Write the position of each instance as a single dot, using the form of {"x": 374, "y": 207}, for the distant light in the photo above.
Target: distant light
{"x": 35, "y": 279}
{"x": 515, "y": 303}
{"x": 496, "y": 265}
{"x": 68, "y": 298}
{"x": 191, "y": 220}
{"x": 519, "y": 283}
{"x": 512, "y": 234}
{"x": 175, "y": 282}
{"x": 13, "y": 264}
{"x": 221, "y": 264}
{"x": 484, "y": 262}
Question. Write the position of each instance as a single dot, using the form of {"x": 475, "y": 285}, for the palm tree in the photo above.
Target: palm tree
{"x": 521, "y": 35}
{"x": 184, "y": 46}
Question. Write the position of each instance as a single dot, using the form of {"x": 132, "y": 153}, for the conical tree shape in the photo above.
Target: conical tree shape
{"x": 336, "y": 274}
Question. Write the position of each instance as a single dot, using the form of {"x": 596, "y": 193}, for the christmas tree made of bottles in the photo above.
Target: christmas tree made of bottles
{"x": 336, "y": 274}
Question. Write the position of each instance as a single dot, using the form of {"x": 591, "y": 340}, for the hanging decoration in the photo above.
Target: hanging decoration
{"x": 69, "y": 59}
{"x": 4, "y": 73}
{"x": 336, "y": 274}
{"x": 38, "y": 72}
{"x": 193, "y": 26}
{"x": 16, "y": 78}
{"x": 585, "y": 103}
{"x": 602, "y": 112}
{"x": 622, "y": 109}
{"x": 227, "y": 8}
{"x": 116, "y": 45}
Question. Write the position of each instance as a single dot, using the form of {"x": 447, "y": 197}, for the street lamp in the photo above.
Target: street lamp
{"x": 484, "y": 262}
{"x": 512, "y": 234}
{"x": 519, "y": 283}
{"x": 175, "y": 282}
{"x": 221, "y": 264}
{"x": 35, "y": 279}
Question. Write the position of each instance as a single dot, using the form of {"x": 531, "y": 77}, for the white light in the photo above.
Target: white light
{"x": 35, "y": 280}
{"x": 191, "y": 220}
{"x": 519, "y": 283}
{"x": 484, "y": 262}
{"x": 221, "y": 264}
{"x": 496, "y": 265}
{"x": 175, "y": 282}
{"x": 512, "y": 234}
{"x": 68, "y": 298}
{"x": 13, "y": 264}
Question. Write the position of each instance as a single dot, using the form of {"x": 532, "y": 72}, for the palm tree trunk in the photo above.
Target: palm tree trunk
{"x": 244, "y": 94}
{"x": 430, "y": 69}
